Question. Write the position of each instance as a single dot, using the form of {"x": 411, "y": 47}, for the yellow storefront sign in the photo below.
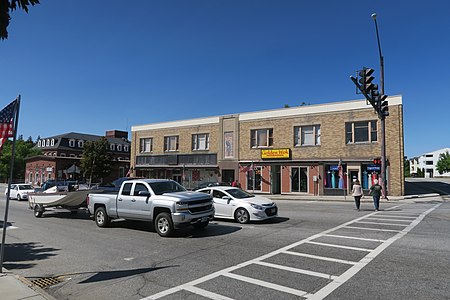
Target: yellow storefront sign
{"x": 276, "y": 153}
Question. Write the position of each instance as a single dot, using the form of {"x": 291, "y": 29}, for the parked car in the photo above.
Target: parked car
{"x": 240, "y": 205}
{"x": 210, "y": 183}
{"x": 20, "y": 191}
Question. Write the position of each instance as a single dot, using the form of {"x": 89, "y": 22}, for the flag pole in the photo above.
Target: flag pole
{"x": 5, "y": 220}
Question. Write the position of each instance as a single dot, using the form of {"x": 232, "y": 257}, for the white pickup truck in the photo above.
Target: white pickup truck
{"x": 164, "y": 202}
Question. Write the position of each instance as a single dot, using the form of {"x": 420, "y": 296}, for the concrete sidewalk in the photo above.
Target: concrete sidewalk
{"x": 14, "y": 287}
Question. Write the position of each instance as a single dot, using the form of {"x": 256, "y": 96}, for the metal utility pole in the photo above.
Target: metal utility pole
{"x": 382, "y": 117}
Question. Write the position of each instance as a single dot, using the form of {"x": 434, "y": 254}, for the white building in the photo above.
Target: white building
{"x": 427, "y": 162}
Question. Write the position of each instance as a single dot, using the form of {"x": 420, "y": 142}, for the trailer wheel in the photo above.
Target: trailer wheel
{"x": 163, "y": 224}
{"x": 38, "y": 210}
{"x": 101, "y": 217}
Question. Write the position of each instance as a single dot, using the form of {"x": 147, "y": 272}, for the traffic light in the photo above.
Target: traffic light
{"x": 365, "y": 80}
{"x": 384, "y": 106}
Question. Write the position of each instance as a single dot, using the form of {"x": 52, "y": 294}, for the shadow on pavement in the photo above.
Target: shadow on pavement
{"x": 21, "y": 255}
{"x": 424, "y": 187}
{"x": 108, "y": 275}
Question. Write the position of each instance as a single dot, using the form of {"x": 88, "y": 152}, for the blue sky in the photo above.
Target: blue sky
{"x": 90, "y": 66}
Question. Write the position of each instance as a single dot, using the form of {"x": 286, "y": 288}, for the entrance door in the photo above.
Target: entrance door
{"x": 275, "y": 184}
{"x": 299, "y": 179}
{"x": 227, "y": 175}
{"x": 177, "y": 178}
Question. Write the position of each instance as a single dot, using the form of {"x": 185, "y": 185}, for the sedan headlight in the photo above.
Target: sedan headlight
{"x": 256, "y": 206}
{"x": 181, "y": 206}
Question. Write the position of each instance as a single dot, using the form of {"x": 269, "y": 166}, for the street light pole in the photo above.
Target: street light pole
{"x": 382, "y": 118}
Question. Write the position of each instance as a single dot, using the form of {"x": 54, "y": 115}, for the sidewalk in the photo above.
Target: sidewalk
{"x": 14, "y": 287}
{"x": 341, "y": 198}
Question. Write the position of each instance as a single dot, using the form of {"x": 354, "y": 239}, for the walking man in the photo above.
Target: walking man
{"x": 375, "y": 191}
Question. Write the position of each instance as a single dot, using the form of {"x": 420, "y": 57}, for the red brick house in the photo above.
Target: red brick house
{"x": 61, "y": 156}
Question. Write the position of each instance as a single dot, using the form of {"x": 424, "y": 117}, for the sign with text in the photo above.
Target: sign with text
{"x": 284, "y": 153}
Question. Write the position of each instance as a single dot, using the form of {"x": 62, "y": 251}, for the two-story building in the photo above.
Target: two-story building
{"x": 61, "y": 156}
{"x": 313, "y": 149}
{"x": 427, "y": 164}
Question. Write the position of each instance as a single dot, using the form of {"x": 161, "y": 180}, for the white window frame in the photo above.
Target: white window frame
{"x": 145, "y": 145}
{"x": 112, "y": 147}
{"x": 198, "y": 144}
{"x": 52, "y": 143}
{"x": 171, "y": 143}
{"x": 301, "y": 131}
{"x": 80, "y": 143}
{"x": 256, "y": 141}
{"x": 72, "y": 143}
{"x": 351, "y": 129}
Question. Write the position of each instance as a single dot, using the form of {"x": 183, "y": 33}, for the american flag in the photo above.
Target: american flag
{"x": 6, "y": 122}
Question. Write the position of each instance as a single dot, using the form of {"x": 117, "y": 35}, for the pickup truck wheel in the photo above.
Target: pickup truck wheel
{"x": 101, "y": 217}
{"x": 241, "y": 215}
{"x": 200, "y": 225}
{"x": 163, "y": 224}
{"x": 38, "y": 210}
{"x": 19, "y": 198}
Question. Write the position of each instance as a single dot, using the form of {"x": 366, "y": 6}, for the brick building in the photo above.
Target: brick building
{"x": 61, "y": 156}
{"x": 313, "y": 149}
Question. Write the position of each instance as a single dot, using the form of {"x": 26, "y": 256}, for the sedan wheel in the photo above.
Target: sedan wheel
{"x": 241, "y": 215}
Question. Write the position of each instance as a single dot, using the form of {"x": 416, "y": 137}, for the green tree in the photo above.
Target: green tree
{"x": 23, "y": 150}
{"x": 443, "y": 164}
{"x": 6, "y": 7}
{"x": 96, "y": 161}
{"x": 406, "y": 167}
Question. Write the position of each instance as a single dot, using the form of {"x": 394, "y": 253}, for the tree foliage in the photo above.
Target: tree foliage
{"x": 443, "y": 164}
{"x": 406, "y": 167}
{"x": 6, "y": 7}
{"x": 23, "y": 150}
{"x": 96, "y": 161}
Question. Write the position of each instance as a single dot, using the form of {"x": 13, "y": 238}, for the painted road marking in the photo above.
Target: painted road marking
{"x": 336, "y": 282}
{"x": 376, "y": 223}
{"x": 340, "y": 246}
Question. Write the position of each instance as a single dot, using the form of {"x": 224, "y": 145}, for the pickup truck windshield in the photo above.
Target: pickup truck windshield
{"x": 162, "y": 187}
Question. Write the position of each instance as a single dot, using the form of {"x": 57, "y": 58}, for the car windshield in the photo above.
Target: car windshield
{"x": 239, "y": 194}
{"x": 25, "y": 187}
{"x": 162, "y": 187}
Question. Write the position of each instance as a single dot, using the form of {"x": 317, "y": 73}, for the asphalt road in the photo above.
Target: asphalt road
{"x": 312, "y": 250}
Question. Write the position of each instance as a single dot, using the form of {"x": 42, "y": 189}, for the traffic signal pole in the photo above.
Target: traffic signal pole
{"x": 383, "y": 118}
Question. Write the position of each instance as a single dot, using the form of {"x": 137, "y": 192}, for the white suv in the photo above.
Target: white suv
{"x": 20, "y": 191}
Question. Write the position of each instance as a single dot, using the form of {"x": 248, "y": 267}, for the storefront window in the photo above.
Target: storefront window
{"x": 254, "y": 179}
{"x": 299, "y": 179}
{"x": 370, "y": 172}
{"x": 333, "y": 178}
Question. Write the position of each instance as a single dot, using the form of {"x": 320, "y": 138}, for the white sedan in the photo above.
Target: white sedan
{"x": 19, "y": 191}
{"x": 234, "y": 203}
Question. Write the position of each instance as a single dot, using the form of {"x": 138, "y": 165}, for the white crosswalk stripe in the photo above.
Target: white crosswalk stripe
{"x": 409, "y": 223}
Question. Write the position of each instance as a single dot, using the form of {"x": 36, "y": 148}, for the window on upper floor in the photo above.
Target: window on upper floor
{"x": 112, "y": 147}
{"x": 72, "y": 143}
{"x": 361, "y": 132}
{"x": 146, "y": 145}
{"x": 80, "y": 144}
{"x": 39, "y": 143}
{"x": 307, "y": 135}
{"x": 200, "y": 141}
{"x": 261, "y": 138}
{"x": 171, "y": 143}
{"x": 47, "y": 143}
{"x": 52, "y": 142}
{"x": 125, "y": 148}
{"x": 119, "y": 147}
{"x": 429, "y": 162}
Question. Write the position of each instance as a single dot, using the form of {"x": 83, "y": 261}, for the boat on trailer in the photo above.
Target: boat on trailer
{"x": 58, "y": 198}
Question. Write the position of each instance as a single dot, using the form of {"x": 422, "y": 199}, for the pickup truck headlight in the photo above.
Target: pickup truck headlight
{"x": 181, "y": 206}
{"x": 256, "y": 206}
